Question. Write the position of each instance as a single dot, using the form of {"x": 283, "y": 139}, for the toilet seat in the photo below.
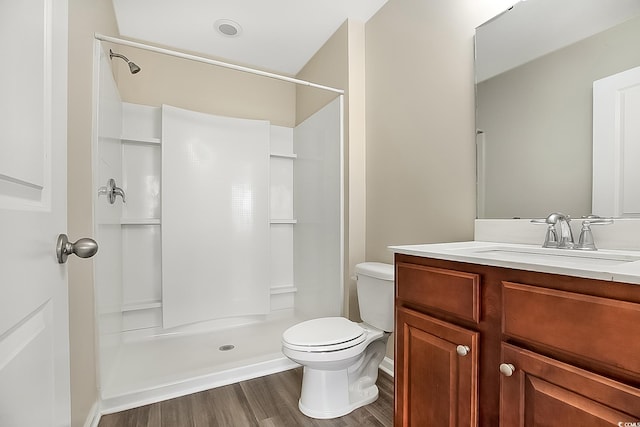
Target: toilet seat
{"x": 325, "y": 334}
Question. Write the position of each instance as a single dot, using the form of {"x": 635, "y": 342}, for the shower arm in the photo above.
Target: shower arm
{"x": 118, "y": 55}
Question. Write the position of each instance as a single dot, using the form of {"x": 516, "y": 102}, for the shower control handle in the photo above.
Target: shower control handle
{"x": 84, "y": 248}
{"x": 111, "y": 190}
{"x": 462, "y": 350}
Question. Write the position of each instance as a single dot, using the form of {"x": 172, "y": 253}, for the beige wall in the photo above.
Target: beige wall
{"x": 329, "y": 66}
{"x": 85, "y": 18}
{"x": 420, "y": 122}
{"x": 201, "y": 87}
{"x": 420, "y": 149}
{"x": 340, "y": 64}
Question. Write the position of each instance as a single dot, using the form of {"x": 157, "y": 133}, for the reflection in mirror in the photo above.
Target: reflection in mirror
{"x": 535, "y": 68}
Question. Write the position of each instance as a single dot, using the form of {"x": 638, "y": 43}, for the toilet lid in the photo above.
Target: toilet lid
{"x": 324, "y": 334}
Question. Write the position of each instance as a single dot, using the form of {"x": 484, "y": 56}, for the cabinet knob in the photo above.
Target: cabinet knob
{"x": 462, "y": 350}
{"x": 507, "y": 369}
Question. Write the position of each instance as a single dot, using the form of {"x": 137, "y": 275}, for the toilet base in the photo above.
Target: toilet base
{"x": 326, "y": 394}
{"x": 331, "y": 393}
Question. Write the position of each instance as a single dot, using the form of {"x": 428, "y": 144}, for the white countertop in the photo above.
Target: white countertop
{"x": 615, "y": 265}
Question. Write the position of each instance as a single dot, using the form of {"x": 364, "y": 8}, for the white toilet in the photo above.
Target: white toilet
{"x": 341, "y": 357}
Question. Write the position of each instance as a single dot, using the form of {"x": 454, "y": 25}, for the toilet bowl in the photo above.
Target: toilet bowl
{"x": 341, "y": 357}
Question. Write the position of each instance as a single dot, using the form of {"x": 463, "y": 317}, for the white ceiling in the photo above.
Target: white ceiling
{"x": 277, "y": 35}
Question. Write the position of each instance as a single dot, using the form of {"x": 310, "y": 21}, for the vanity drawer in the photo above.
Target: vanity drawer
{"x": 592, "y": 328}
{"x": 454, "y": 292}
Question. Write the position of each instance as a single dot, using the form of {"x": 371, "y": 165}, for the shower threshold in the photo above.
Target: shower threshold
{"x": 162, "y": 368}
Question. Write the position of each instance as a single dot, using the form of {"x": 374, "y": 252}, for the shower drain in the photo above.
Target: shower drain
{"x": 226, "y": 347}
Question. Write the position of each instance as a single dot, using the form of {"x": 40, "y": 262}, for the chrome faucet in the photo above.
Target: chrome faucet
{"x": 559, "y": 234}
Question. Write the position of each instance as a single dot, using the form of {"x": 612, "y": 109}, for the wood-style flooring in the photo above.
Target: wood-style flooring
{"x": 270, "y": 401}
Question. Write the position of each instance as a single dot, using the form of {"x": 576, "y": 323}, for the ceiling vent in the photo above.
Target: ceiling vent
{"x": 228, "y": 28}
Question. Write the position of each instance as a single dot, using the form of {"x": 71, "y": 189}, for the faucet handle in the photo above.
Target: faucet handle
{"x": 551, "y": 237}
{"x": 595, "y": 219}
{"x": 585, "y": 241}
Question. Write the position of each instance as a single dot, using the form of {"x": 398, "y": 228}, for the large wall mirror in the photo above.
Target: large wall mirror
{"x": 535, "y": 68}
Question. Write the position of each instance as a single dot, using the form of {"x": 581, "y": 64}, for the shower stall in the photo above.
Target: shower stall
{"x": 216, "y": 234}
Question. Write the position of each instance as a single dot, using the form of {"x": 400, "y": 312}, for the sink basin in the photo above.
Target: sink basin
{"x": 550, "y": 255}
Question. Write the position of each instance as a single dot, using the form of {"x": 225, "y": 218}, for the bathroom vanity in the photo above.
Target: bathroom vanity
{"x": 495, "y": 334}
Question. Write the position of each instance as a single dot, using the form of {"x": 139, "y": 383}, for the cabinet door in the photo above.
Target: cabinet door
{"x": 545, "y": 392}
{"x": 436, "y": 372}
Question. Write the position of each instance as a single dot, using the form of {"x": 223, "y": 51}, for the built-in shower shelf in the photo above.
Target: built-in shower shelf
{"x": 284, "y": 221}
{"x": 285, "y": 155}
{"x": 140, "y": 221}
{"x": 139, "y": 140}
{"x": 286, "y": 289}
{"x": 141, "y": 305}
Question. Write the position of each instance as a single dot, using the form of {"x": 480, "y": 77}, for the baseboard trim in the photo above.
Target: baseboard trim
{"x": 387, "y": 366}
{"x": 93, "y": 418}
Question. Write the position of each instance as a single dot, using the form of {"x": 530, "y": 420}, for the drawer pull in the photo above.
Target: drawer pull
{"x": 462, "y": 350}
{"x": 507, "y": 369}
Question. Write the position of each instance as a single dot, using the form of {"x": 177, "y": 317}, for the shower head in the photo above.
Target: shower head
{"x": 132, "y": 66}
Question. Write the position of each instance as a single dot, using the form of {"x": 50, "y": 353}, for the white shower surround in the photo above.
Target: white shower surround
{"x": 318, "y": 212}
{"x": 128, "y": 296}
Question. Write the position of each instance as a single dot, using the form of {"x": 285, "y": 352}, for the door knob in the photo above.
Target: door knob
{"x": 507, "y": 369}
{"x": 84, "y": 248}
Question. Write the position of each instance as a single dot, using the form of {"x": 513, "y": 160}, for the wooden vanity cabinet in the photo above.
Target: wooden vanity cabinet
{"x": 568, "y": 348}
{"x": 438, "y": 362}
{"x": 544, "y": 391}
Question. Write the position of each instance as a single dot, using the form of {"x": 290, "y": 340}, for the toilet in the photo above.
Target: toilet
{"x": 341, "y": 357}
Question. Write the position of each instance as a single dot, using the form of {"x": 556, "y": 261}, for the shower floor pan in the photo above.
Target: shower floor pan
{"x": 162, "y": 368}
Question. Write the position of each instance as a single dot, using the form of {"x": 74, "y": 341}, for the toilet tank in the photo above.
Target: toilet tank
{"x": 375, "y": 294}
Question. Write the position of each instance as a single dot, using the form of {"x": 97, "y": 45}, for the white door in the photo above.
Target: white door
{"x": 616, "y": 145}
{"x": 34, "y": 343}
